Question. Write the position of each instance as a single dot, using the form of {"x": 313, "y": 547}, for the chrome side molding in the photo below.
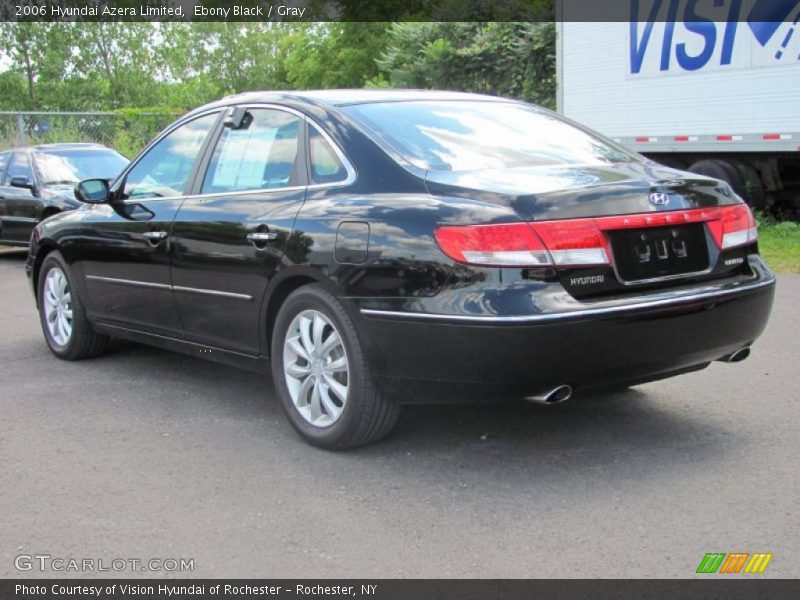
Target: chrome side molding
{"x": 173, "y": 288}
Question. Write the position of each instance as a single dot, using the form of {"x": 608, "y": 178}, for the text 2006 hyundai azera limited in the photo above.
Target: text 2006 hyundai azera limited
{"x": 382, "y": 247}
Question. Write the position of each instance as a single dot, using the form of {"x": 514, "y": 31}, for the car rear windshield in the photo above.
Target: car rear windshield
{"x": 470, "y": 135}
{"x": 72, "y": 166}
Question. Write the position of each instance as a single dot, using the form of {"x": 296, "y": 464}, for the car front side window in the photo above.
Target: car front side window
{"x": 261, "y": 154}
{"x": 164, "y": 171}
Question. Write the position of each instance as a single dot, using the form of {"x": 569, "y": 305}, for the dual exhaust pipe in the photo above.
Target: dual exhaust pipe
{"x": 562, "y": 393}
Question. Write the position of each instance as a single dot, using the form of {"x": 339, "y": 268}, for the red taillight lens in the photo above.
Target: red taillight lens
{"x": 512, "y": 245}
{"x": 573, "y": 242}
{"x": 568, "y": 243}
{"x": 738, "y": 226}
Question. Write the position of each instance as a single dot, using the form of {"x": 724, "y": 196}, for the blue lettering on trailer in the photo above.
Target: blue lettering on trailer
{"x": 698, "y": 34}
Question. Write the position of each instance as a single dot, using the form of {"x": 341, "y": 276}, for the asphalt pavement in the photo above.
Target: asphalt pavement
{"x": 146, "y": 454}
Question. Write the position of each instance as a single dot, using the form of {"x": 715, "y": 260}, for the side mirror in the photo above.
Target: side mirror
{"x": 92, "y": 191}
{"x": 21, "y": 182}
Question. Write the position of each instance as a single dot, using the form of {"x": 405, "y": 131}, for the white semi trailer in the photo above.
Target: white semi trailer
{"x": 719, "y": 96}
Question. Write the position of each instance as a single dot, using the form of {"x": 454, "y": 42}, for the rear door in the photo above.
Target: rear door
{"x": 126, "y": 244}
{"x": 20, "y": 209}
{"x": 228, "y": 240}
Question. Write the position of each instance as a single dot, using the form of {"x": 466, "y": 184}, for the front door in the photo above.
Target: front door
{"x": 229, "y": 239}
{"x": 126, "y": 245}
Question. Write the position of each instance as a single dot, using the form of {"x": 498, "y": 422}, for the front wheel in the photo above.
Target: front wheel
{"x": 66, "y": 329}
{"x": 321, "y": 374}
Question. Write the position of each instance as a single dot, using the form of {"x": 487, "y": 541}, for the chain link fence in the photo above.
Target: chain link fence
{"x": 127, "y": 131}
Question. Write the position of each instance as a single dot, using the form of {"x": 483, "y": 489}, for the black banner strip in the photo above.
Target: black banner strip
{"x": 715, "y": 586}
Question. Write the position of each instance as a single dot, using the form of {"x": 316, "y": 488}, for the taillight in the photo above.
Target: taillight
{"x": 512, "y": 245}
{"x": 573, "y": 242}
{"x": 738, "y": 226}
{"x": 568, "y": 243}
{"x": 582, "y": 242}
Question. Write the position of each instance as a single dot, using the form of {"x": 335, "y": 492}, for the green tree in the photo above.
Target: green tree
{"x": 120, "y": 55}
{"x": 332, "y": 55}
{"x": 100, "y": 66}
{"x": 26, "y": 38}
{"x": 507, "y": 59}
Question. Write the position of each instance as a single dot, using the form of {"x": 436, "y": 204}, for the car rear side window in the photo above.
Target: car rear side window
{"x": 326, "y": 167}
{"x": 262, "y": 154}
{"x": 20, "y": 166}
{"x": 464, "y": 135}
{"x": 164, "y": 171}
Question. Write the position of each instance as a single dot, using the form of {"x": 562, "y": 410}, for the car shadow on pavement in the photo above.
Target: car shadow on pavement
{"x": 591, "y": 431}
{"x": 636, "y": 433}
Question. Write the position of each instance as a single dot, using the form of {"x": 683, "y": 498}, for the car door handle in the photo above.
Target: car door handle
{"x": 261, "y": 237}
{"x": 155, "y": 236}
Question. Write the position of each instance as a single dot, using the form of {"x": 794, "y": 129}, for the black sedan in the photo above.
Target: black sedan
{"x": 38, "y": 182}
{"x": 385, "y": 247}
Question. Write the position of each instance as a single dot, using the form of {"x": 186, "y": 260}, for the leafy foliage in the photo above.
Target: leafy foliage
{"x": 102, "y": 66}
{"x": 507, "y": 59}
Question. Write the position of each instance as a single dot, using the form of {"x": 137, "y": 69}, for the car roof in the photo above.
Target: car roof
{"x": 335, "y": 98}
{"x": 66, "y": 146}
{"x": 364, "y": 96}
{"x": 59, "y": 146}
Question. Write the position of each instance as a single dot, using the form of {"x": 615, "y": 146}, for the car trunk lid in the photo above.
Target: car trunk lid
{"x": 613, "y": 228}
{"x": 578, "y": 191}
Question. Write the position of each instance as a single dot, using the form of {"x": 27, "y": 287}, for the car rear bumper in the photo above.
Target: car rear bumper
{"x": 583, "y": 344}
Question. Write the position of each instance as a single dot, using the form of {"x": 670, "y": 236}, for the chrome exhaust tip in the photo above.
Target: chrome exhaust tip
{"x": 559, "y": 394}
{"x": 737, "y": 356}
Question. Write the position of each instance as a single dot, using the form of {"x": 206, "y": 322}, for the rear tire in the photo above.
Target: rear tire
{"x": 66, "y": 329}
{"x": 322, "y": 377}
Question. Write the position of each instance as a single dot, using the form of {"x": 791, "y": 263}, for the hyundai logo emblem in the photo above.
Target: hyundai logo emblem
{"x": 659, "y": 198}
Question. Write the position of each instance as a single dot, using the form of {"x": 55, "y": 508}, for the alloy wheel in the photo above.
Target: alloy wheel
{"x": 316, "y": 368}
{"x": 58, "y": 306}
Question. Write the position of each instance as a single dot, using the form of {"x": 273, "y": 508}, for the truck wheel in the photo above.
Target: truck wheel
{"x": 722, "y": 170}
{"x": 754, "y": 188}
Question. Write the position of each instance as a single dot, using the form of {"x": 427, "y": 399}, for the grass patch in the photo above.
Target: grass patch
{"x": 779, "y": 244}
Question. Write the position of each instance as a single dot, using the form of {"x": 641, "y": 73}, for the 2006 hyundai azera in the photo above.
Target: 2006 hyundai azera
{"x": 384, "y": 247}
